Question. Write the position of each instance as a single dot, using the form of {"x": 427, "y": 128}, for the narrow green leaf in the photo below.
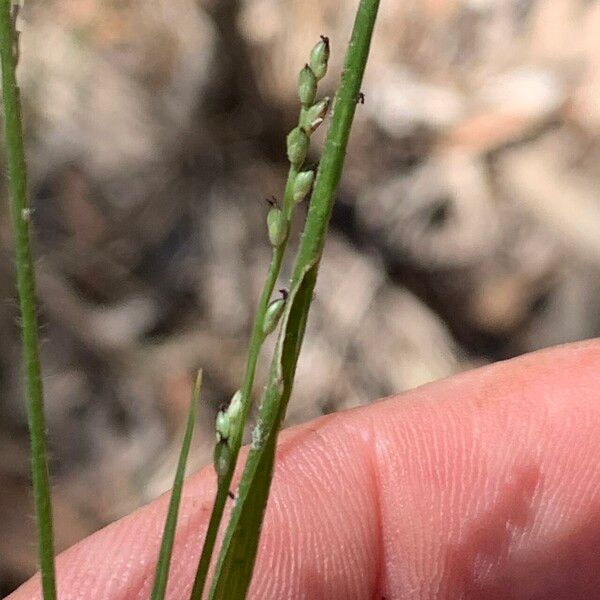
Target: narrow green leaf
{"x": 238, "y": 554}
{"x": 256, "y": 340}
{"x": 166, "y": 546}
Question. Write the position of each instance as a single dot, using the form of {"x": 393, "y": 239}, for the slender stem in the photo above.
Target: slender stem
{"x": 240, "y": 543}
{"x": 256, "y": 340}
{"x": 288, "y": 200}
{"x": 209, "y": 542}
{"x": 21, "y": 217}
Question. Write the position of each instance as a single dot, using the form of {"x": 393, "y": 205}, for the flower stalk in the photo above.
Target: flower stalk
{"x": 238, "y": 552}
{"x": 21, "y": 218}
{"x": 268, "y": 312}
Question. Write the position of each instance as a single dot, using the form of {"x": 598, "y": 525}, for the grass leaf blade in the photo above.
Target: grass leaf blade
{"x": 238, "y": 554}
{"x": 168, "y": 538}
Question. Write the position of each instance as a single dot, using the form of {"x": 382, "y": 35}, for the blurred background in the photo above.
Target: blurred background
{"x": 466, "y": 231}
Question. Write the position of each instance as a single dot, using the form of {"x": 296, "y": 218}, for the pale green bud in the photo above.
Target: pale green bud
{"x": 277, "y": 226}
{"x": 319, "y": 57}
{"x": 234, "y": 409}
{"x": 312, "y": 117}
{"x": 221, "y": 459}
{"x": 273, "y": 314}
{"x": 222, "y": 426}
{"x": 227, "y": 418}
{"x": 302, "y": 185}
{"x": 307, "y": 86}
{"x": 297, "y": 146}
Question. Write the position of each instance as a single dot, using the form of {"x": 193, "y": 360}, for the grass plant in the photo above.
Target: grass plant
{"x": 238, "y": 553}
{"x": 288, "y": 312}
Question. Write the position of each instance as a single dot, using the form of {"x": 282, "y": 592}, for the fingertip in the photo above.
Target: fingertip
{"x": 469, "y": 487}
{"x": 488, "y": 470}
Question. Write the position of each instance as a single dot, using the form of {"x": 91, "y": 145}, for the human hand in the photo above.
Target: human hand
{"x": 485, "y": 485}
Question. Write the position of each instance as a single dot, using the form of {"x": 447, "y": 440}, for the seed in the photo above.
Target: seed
{"x": 307, "y": 86}
{"x": 277, "y": 226}
{"x": 297, "y": 146}
{"x": 319, "y": 58}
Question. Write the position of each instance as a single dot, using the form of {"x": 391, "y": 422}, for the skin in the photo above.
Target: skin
{"x": 485, "y": 485}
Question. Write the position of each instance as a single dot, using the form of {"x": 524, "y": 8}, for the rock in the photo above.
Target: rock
{"x": 401, "y": 102}
{"x": 438, "y": 216}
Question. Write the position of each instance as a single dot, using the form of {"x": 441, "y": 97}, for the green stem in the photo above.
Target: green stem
{"x": 256, "y": 340}
{"x": 20, "y": 215}
{"x": 236, "y": 559}
{"x": 288, "y": 200}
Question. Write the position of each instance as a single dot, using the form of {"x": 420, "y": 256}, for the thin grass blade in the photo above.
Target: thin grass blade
{"x": 168, "y": 538}
{"x": 236, "y": 562}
